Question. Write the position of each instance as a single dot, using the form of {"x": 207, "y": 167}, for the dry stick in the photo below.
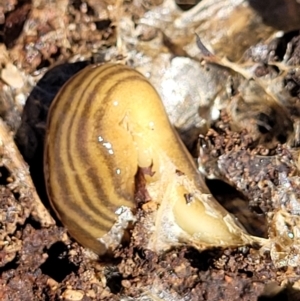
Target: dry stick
{"x": 22, "y": 182}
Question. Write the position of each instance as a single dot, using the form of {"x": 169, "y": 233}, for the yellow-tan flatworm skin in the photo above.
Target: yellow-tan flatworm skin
{"x": 105, "y": 122}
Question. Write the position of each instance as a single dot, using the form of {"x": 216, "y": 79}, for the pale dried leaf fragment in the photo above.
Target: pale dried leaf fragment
{"x": 72, "y": 295}
{"x": 11, "y": 75}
